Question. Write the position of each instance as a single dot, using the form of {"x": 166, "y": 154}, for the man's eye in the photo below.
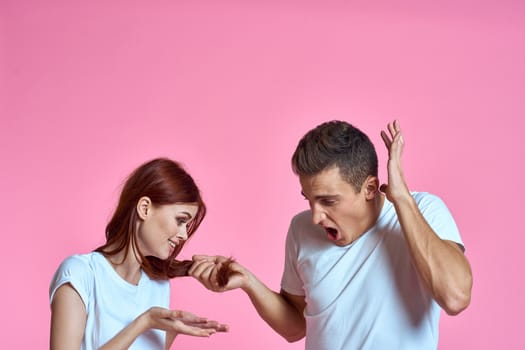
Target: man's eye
{"x": 329, "y": 202}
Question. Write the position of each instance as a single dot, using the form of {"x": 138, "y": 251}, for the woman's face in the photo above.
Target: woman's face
{"x": 163, "y": 227}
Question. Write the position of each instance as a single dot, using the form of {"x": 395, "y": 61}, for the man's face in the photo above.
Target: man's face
{"x": 335, "y": 205}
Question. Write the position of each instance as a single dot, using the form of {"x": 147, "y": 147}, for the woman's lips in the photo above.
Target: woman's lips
{"x": 172, "y": 245}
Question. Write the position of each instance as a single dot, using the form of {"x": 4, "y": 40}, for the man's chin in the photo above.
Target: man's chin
{"x": 342, "y": 243}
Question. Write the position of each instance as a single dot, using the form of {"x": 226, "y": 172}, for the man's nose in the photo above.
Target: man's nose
{"x": 317, "y": 215}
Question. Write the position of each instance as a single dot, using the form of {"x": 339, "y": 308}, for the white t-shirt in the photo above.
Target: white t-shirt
{"x": 111, "y": 302}
{"x": 366, "y": 295}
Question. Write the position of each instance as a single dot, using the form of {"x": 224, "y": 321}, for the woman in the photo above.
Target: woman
{"x": 117, "y": 297}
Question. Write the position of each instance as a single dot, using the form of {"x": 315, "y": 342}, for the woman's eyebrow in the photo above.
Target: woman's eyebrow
{"x": 186, "y": 214}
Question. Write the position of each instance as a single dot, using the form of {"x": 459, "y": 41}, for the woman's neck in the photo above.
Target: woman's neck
{"x": 127, "y": 266}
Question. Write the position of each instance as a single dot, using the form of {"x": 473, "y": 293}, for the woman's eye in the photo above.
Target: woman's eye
{"x": 181, "y": 221}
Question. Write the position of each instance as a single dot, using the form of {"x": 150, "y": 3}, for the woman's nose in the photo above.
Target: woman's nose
{"x": 182, "y": 234}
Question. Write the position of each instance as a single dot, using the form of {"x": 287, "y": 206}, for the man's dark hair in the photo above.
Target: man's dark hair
{"x": 336, "y": 143}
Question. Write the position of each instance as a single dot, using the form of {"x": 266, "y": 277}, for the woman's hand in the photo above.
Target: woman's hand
{"x": 181, "y": 322}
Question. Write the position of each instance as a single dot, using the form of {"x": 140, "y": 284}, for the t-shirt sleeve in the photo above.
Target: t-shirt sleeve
{"x": 439, "y": 217}
{"x": 76, "y": 271}
{"x": 291, "y": 281}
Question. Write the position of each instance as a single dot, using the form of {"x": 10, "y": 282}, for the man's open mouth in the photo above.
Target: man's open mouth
{"x": 332, "y": 233}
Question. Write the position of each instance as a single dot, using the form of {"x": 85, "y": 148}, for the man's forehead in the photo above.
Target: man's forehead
{"x": 327, "y": 182}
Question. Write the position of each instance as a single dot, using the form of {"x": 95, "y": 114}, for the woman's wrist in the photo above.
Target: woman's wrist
{"x": 143, "y": 322}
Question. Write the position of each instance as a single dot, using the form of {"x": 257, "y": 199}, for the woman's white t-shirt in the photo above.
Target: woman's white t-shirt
{"x": 111, "y": 302}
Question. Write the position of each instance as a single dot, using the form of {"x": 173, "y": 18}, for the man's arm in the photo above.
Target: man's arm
{"x": 441, "y": 264}
{"x": 282, "y": 311}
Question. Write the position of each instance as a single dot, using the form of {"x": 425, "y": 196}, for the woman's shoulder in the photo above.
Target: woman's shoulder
{"x": 79, "y": 270}
{"x": 81, "y": 261}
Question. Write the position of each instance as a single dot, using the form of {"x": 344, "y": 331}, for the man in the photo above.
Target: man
{"x": 368, "y": 266}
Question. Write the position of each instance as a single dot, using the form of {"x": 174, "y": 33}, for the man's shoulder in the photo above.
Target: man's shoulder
{"x": 302, "y": 218}
{"x": 426, "y": 198}
{"x": 302, "y": 222}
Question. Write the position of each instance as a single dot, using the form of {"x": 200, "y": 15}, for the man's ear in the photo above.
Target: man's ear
{"x": 370, "y": 187}
{"x": 144, "y": 208}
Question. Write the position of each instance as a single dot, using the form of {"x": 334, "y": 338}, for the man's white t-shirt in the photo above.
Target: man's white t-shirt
{"x": 366, "y": 295}
{"x": 111, "y": 302}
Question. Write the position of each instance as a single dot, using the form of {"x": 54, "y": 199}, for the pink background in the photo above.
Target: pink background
{"x": 91, "y": 89}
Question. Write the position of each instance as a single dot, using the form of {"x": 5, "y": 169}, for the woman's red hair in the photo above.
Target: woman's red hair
{"x": 164, "y": 182}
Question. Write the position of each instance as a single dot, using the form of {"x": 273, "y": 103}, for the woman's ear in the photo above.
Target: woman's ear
{"x": 144, "y": 208}
{"x": 371, "y": 186}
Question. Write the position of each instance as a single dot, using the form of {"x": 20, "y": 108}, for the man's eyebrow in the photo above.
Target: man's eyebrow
{"x": 327, "y": 196}
{"x": 323, "y": 196}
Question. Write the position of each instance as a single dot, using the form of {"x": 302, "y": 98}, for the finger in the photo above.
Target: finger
{"x": 221, "y": 259}
{"x": 392, "y": 129}
{"x": 386, "y": 139}
{"x": 397, "y": 126}
{"x": 161, "y": 315}
{"x": 180, "y": 327}
{"x": 161, "y": 312}
{"x": 236, "y": 267}
{"x": 208, "y": 275}
{"x": 193, "y": 267}
{"x": 197, "y": 267}
{"x": 203, "y": 257}
{"x": 401, "y": 139}
{"x": 219, "y": 327}
{"x": 176, "y": 314}
{"x": 188, "y": 317}
{"x": 207, "y": 324}
{"x": 223, "y": 328}
{"x": 203, "y": 272}
{"x": 397, "y": 143}
{"x": 214, "y": 274}
{"x": 210, "y": 258}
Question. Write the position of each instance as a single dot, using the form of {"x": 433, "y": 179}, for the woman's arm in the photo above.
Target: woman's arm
{"x": 68, "y": 323}
{"x": 68, "y": 319}
{"x": 172, "y": 321}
